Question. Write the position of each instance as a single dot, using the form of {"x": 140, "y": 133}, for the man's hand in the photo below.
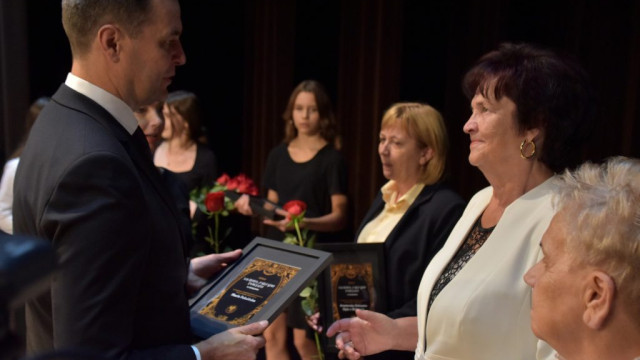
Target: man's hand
{"x": 204, "y": 267}
{"x": 241, "y": 343}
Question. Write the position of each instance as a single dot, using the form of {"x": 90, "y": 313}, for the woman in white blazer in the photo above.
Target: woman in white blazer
{"x": 530, "y": 112}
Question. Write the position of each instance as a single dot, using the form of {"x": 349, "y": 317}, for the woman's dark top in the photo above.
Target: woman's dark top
{"x": 204, "y": 171}
{"x": 313, "y": 182}
{"x": 470, "y": 247}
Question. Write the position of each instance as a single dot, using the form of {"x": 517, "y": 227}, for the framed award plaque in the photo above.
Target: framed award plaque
{"x": 355, "y": 279}
{"x": 258, "y": 286}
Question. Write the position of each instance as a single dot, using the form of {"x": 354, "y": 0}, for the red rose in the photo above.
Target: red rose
{"x": 233, "y": 184}
{"x": 253, "y": 190}
{"x": 242, "y": 178}
{"x": 295, "y": 207}
{"x": 245, "y": 186}
{"x": 214, "y": 201}
{"x": 222, "y": 180}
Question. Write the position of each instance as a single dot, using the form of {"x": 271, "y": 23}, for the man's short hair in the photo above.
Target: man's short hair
{"x": 602, "y": 206}
{"x": 81, "y": 19}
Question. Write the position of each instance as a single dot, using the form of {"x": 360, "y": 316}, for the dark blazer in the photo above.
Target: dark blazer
{"x": 412, "y": 243}
{"x": 91, "y": 188}
{"x": 408, "y": 249}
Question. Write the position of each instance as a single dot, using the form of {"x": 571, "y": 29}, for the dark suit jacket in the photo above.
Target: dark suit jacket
{"x": 417, "y": 237}
{"x": 412, "y": 243}
{"x": 88, "y": 187}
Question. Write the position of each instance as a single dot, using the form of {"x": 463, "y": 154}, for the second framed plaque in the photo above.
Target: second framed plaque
{"x": 355, "y": 279}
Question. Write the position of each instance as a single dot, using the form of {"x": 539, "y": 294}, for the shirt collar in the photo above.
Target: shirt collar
{"x": 114, "y": 105}
{"x": 390, "y": 193}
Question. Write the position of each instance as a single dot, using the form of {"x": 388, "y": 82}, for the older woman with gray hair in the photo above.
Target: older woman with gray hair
{"x": 586, "y": 288}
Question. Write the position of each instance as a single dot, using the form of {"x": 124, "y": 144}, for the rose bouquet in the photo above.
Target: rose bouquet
{"x": 296, "y": 210}
{"x": 212, "y": 201}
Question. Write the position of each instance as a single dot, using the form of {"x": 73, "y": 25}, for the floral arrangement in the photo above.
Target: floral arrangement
{"x": 212, "y": 201}
{"x": 296, "y": 210}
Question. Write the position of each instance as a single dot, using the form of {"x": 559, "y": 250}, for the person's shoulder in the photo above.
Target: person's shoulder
{"x": 481, "y": 197}
{"x": 281, "y": 147}
{"x": 445, "y": 192}
{"x": 330, "y": 153}
{"x": 483, "y": 193}
{"x": 278, "y": 150}
{"x": 205, "y": 151}
{"x": 77, "y": 133}
{"x": 330, "y": 149}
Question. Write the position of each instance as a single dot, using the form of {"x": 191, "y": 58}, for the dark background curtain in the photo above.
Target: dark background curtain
{"x": 245, "y": 56}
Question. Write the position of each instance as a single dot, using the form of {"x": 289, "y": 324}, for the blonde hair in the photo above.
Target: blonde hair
{"x": 425, "y": 124}
{"x": 603, "y": 203}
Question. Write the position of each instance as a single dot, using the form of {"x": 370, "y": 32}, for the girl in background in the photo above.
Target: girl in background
{"x": 183, "y": 152}
{"x": 307, "y": 167}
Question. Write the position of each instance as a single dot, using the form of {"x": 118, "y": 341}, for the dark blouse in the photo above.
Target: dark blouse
{"x": 470, "y": 247}
{"x": 313, "y": 182}
{"x": 204, "y": 171}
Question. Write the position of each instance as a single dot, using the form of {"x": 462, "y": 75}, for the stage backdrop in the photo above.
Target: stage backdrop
{"x": 245, "y": 57}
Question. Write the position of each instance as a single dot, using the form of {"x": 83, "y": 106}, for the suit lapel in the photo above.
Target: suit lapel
{"x": 378, "y": 206}
{"x": 70, "y": 98}
{"x": 425, "y": 195}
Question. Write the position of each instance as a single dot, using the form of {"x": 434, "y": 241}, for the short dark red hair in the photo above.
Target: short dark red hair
{"x": 551, "y": 93}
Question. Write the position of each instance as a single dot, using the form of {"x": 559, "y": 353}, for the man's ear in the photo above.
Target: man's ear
{"x": 109, "y": 38}
{"x": 599, "y": 295}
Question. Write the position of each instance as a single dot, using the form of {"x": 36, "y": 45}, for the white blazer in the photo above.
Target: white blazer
{"x": 483, "y": 313}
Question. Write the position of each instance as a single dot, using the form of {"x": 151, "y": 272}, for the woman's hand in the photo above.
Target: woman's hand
{"x": 313, "y": 321}
{"x": 242, "y": 205}
{"x": 367, "y": 333}
{"x": 282, "y": 225}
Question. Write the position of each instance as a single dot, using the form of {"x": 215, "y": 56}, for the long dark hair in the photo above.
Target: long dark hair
{"x": 327, "y": 119}
{"x": 187, "y": 105}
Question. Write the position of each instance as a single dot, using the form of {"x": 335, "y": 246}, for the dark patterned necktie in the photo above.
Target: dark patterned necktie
{"x": 141, "y": 142}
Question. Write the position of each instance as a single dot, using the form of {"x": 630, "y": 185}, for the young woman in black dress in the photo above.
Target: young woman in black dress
{"x": 308, "y": 167}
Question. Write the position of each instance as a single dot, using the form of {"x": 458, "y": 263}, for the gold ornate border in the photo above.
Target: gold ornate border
{"x": 286, "y": 273}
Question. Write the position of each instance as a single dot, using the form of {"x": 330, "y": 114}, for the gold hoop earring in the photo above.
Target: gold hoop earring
{"x": 524, "y": 144}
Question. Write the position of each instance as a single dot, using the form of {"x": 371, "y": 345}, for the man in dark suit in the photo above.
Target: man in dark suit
{"x": 88, "y": 184}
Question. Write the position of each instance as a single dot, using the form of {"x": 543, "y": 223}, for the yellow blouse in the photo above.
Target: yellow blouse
{"x": 378, "y": 229}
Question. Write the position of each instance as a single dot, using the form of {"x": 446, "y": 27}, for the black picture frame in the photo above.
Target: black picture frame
{"x": 363, "y": 258}
{"x": 259, "y": 206}
{"x": 258, "y": 286}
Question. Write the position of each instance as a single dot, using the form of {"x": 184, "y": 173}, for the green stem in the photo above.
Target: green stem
{"x": 210, "y": 237}
{"x": 300, "y": 241}
{"x": 216, "y": 242}
{"x": 320, "y": 353}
